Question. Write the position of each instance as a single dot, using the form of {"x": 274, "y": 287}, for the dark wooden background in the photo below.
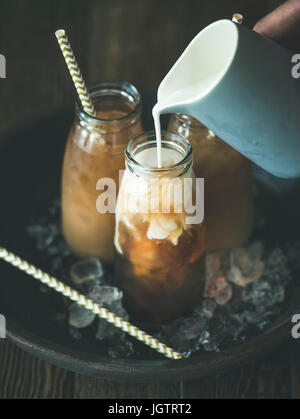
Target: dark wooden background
{"x": 135, "y": 40}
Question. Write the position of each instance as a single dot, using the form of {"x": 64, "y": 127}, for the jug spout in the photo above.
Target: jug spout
{"x": 198, "y": 71}
{"x": 240, "y": 85}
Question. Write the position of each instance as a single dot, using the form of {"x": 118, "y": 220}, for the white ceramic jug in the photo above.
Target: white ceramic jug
{"x": 240, "y": 85}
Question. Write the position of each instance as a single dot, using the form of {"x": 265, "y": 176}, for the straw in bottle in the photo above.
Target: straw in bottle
{"x": 75, "y": 72}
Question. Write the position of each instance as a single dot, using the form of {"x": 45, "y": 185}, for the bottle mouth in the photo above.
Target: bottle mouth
{"x": 170, "y": 141}
{"x": 123, "y": 90}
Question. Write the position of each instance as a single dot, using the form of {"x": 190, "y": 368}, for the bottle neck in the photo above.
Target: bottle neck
{"x": 177, "y": 156}
{"x": 118, "y": 105}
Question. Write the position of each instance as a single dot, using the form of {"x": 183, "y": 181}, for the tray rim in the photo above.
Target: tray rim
{"x": 141, "y": 371}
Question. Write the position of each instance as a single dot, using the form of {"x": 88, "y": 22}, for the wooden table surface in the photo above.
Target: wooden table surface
{"x": 274, "y": 377}
{"x": 135, "y": 40}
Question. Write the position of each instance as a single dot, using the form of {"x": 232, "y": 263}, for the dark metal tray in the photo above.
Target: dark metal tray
{"x": 30, "y": 168}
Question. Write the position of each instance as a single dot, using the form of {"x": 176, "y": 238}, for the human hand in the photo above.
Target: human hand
{"x": 282, "y": 25}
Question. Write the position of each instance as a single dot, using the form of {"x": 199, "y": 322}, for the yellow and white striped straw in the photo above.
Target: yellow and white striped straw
{"x": 88, "y": 304}
{"x": 75, "y": 72}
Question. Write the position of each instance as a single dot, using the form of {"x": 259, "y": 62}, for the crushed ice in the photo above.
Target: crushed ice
{"x": 245, "y": 289}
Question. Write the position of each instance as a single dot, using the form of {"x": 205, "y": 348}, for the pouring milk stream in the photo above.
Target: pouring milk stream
{"x": 240, "y": 85}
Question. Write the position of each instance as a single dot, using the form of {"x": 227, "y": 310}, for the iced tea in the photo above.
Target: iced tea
{"x": 95, "y": 150}
{"x": 160, "y": 256}
{"x": 228, "y": 185}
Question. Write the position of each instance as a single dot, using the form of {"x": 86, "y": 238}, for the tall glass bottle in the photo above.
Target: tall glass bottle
{"x": 95, "y": 150}
{"x": 160, "y": 251}
{"x": 228, "y": 184}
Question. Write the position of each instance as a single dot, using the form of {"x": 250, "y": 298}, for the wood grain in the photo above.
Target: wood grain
{"x": 136, "y": 40}
{"x": 98, "y": 389}
{"x": 23, "y": 376}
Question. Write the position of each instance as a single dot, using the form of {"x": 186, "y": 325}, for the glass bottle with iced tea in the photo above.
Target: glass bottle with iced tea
{"x": 95, "y": 150}
{"x": 228, "y": 185}
{"x": 159, "y": 246}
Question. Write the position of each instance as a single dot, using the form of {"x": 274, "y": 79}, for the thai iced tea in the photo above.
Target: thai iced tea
{"x": 160, "y": 253}
{"x": 95, "y": 150}
{"x": 228, "y": 184}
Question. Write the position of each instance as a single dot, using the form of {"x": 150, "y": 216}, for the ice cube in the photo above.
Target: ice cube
{"x": 105, "y": 295}
{"x": 264, "y": 295}
{"x": 75, "y": 334}
{"x": 214, "y": 276}
{"x": 117, "y": 308}
{"x": 213, "y": 265}
{"x": 63, "y": 249}
{"x": 293, "y": 255}
{"x": 120, "y": 348}
{"x": 35, "y": 229}
{"x": 208, "y": 308}
{"x": 86, "y": 270}
{"x": 157, "y": 231}
{"x": 56, "y": 264}
{"x": 219, "y": 289}
{"x": 276, "y": 267}
{"x": 246, "y": 265}
{"x": 107, "y": 330}
{"x": 185, "y": 334}
{"x": 44, "y": 239}
{"x": 223, "y": 293}
{"x": 80, "y": 317}
{"x": 60, "y": 318}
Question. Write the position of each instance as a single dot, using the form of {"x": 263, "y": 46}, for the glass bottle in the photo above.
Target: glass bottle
{"x": 160, "y": 250}
{"x": 95, "y": 150}
{"x": 229, "y": 209}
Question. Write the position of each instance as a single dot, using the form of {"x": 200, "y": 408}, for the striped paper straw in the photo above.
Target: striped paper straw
{"x": 75, "y": 72}
{"x": 238, "y": 18}
{"x": 88, "y": 304}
